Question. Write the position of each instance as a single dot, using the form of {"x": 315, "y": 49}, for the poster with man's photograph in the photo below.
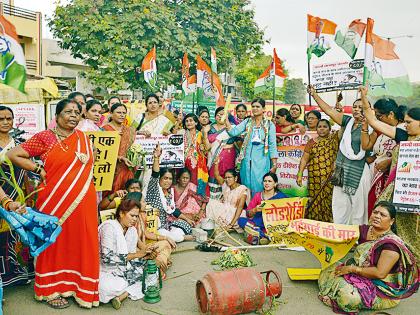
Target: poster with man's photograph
{"x": 172, "y": 149}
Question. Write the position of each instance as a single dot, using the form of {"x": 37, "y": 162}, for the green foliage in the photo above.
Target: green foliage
{"x": 295, "y": 91}
{"x": 249, "y": 70}
{"x": 413, "y": 100}
{"x": 113, "y": 36}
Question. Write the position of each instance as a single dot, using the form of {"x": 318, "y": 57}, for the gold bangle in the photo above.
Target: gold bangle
{"x": 358, "y": 270}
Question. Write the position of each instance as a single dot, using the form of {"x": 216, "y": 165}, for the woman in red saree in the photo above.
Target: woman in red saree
{"x": 70, "y": 266}
{"x": 123, "y": 171}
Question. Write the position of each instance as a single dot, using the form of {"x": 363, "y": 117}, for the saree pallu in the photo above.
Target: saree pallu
{"x": 122, "y": 172}
{"x": 70, "y": 266}
{"x": 351, "y": 293}
{"x": 223, "y": 149}
{"x": 188, "y": 202}
{"x": 196, "y": 163}
{"x": 322, "y": 156}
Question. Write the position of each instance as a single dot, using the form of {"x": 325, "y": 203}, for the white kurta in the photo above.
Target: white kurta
{"x": 117, "y": 275}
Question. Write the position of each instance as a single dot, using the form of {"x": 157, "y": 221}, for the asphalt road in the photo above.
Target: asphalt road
{"x": 178, "y": 294}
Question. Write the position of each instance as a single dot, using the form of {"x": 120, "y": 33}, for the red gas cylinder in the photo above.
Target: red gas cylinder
{"x": 235, "y": 291}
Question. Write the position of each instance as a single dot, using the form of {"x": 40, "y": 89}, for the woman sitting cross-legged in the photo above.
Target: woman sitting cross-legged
{"x": 160, "y": 195}
{"x": 187, "y": 200}
{"x": 235, "y": 196}
{"x": 381, "y": 272}
{"x": 161, "y": 245}
{"x": 254, "y": 210}
{"x": 121, "y": 262}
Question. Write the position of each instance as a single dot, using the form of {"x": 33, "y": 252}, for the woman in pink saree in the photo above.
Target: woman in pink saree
{"x": 186, "y": 198}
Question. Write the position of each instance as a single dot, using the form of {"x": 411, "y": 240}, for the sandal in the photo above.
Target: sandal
{"x": 58, "y": 303}
{"x": 116, "y": 303}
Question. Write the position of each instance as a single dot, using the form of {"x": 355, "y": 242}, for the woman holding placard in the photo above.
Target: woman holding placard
{"x": 407, "y": 222}
{"x": 123, "y": 171}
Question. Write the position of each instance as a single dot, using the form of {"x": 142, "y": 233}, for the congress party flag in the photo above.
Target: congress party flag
{"x": 350, "y": 39}
{"x": 213, "y": 60}
{"x": 149, "y": 68}
{"x": 274, "y": 72}
{"x": 383, "y": 72}
{"x": 320, "y": 35}
{"x": 13, "y": 65}
{"x": 185, "y": 74}
{"x": 209, "y": 82}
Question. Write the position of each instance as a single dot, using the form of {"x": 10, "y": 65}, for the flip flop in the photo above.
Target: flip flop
{"x": 116, "y": 303}
{"x": 62, "y": 303}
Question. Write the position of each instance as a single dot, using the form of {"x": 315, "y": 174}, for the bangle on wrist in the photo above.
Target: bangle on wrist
{"x": 109, "y": 197}
{"x": 299, "y": 173}
{"x": 358, "y": 270}
{"x": 7, "y": 203}
{"x": 365, "y": 131}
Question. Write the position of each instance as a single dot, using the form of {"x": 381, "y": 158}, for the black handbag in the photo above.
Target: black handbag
{"x": 337, "y": 176}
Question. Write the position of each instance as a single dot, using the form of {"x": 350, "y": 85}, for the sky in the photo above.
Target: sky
{"x": 284, "y": 22}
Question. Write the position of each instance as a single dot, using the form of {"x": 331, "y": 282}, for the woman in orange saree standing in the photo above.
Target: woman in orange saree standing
{"x": 70, "y": 266}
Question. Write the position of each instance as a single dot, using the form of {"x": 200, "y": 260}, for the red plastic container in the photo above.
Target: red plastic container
{"x": 235, "y": 291}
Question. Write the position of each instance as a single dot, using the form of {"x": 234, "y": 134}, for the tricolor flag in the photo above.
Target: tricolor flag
{"x": 185, "y": 74}
{"x": 273, "y": 72}
{"x": 148, "y": 66}
{"x": 192, "y": 83}
{"x": 209, "y": 81}
{"x": 320, "y": 35}
{"x": 13, "y": 65}
{"x": 213, "y": 60}
{"x": 350, "y": 40}
{"x": 384, "y": 71}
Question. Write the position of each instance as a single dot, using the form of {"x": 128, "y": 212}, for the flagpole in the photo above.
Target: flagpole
{"x": 309, "y": 80}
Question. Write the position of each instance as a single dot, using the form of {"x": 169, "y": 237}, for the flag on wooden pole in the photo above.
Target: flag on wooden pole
{"x": 13, "y": 65}
{"x": 273, "y": 72}
{"x": 350, "y": 40}
{"x": 213, "y": 60}
{"x": 149, "y": 68}
{"x": 185, "y": 74}
{"x": 209, "y": 81}
{"x": 384, "y": 72}
{"x": 320, "y": 35}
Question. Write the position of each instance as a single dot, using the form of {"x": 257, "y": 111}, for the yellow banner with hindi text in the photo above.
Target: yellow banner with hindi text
{"x": 328, "y": 242}
{"x": 107, "y": 144}
{"x": 277, "y": 214}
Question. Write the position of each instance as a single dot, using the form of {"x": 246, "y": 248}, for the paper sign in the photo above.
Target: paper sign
{"x": 172, "y": 149}
{"x": 407, "y": 181}
{"x": 107, "y": 144}
{"x": 337, "y": 76}
{"x": 29, "y": 117}
{"x": 328, "y": 242}
{"x": 278, "y": 213}
{"x": 290, "y": 149}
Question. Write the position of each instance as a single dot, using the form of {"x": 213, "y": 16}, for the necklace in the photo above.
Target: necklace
{"x": 58, "y": 137}
{"x": 373, "y": 237}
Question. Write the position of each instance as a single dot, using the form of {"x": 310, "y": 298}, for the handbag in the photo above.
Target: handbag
{"x": 337, "y": 176}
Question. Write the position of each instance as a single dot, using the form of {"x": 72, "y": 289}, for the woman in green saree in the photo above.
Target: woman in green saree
{"x": 381, "y": 272}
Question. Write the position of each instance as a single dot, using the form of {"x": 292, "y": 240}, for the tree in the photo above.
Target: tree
{"x": 113, "y": 36}
{"x": 295, "y": 91}
{"x": 413, "y": 100}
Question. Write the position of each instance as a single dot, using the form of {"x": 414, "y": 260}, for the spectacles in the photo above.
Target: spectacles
{"x": 379, "y": 115}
